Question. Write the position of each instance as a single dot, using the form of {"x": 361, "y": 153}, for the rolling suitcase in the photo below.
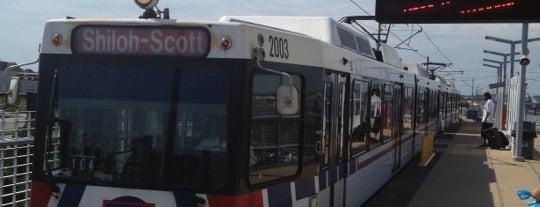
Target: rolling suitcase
{"x": 502, "y": 141}
{"x": 496, "y": 139}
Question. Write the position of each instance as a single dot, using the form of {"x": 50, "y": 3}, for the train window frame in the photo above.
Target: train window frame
{"x": 428, "y": 106}
{"x": 408, "y": 106}
{"x": 397, "y": 116}
{"x": 442, "y": 103}
{"x": 434, "y": 111}
{"x": 388, "y": 115}
{"x": 278, "y": 120}
{"x": 373, "y": 142}
{"x": 420, "y": 108}
{"x": 359, "y": 102}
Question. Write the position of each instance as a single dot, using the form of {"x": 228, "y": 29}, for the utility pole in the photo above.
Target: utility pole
{"x": 472, "y": 93}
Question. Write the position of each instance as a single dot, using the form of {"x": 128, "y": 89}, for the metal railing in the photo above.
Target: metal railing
{"x": 16, "y": 143}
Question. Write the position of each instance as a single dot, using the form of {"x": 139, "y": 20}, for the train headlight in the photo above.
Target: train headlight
{"x": 146, "y": 4}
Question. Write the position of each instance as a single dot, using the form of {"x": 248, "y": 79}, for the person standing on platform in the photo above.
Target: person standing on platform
{"x": 487, "y": 117}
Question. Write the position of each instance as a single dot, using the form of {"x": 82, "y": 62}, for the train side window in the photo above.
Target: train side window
{"x": 420, "y": 108}
{"x": 428, "y": 105}
{"x": 456, "y": 102}
{"x": 442, "y": 101}
{"x": 448, "y": 103}
{"x": 359, "y": 117}
{"x": 274, "y": 138}
{"x": 453, "y": 102}
{"x": 376, "y": 115}
{"x": 408, "y": 109}
{"x": 434, "y": 105}
{"x": 387, "y": 113}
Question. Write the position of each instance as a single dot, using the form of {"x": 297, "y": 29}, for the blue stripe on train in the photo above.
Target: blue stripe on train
{"x": 72, "y": 195}
{"x": 184, "y": 199}
{"x": 280, "y": 195}
{"x": 305, "y": 188}
{"x": 342, "y": 173}
{"x": 322, "y": 180}
{"x": 352, "y": 166}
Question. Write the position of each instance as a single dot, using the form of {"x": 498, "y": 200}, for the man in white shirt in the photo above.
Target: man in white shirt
{"x": 487, "y": 117}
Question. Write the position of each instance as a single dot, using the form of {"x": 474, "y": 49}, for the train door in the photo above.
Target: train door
{"x": 333, "y": 169}
{"x": 397, "y": 127}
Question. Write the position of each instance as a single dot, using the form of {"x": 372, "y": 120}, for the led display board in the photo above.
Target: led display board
{"x": 457, "y": 11}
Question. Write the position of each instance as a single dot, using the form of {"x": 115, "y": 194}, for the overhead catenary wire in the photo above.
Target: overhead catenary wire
{"x": 360, "y": 7}
{"x": 408, "y": 42}
{"x": 435, "y": 45}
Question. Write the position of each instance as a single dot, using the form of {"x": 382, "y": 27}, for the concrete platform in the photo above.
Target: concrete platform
{"x": 462, "y": 175}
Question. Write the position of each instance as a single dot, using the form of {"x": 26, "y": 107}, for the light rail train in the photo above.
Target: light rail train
{"x": 244, "y": 111}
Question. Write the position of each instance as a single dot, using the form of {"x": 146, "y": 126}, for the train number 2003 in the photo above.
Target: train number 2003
{"x": 279, "y": 47}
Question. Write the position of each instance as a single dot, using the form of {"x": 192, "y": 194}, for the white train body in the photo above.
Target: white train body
{"x": 332, "y": 60}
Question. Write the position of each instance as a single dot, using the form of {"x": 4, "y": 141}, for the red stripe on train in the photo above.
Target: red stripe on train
{"x": 41, "y": 193}
{"x": 253, "y": 199}
{"x": 368, "y": 161}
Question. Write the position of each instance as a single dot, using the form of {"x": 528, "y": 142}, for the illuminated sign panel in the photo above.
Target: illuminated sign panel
{"x": 108, "y": 40}
{"x": 457, "y": 11}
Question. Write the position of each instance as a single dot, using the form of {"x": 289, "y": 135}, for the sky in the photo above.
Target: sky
{"x": 22, "y": 21}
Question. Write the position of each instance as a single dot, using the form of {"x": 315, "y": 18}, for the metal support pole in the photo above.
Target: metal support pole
{"x": 500, "y": 97}
{"x": 472, "y": 94}
{"x": 518, "y": 141}
{"x": 512, "y": 51}
{"x": 504, "y": 105}
{"x": 496, "y": 113}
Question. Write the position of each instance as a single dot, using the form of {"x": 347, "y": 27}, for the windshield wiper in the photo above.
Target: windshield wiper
{"x": 51, "y": 180}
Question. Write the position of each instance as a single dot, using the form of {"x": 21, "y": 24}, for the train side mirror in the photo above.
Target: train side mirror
{"x": 13, "y": 92}
{"x": 287, "y": 100}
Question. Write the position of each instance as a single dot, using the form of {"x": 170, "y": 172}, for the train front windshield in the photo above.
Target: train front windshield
{"x": 138, "y": 126}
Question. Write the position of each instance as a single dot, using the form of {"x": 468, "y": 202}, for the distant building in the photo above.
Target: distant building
{"x": 28, "y": 78}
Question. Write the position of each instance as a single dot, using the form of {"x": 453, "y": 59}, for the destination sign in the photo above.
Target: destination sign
{"x": 103, "y": 40}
